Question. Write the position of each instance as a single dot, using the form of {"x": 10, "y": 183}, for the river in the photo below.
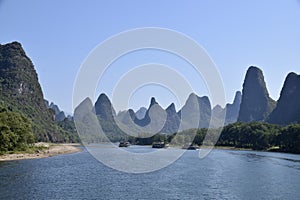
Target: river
{"x": 223, "y": 174}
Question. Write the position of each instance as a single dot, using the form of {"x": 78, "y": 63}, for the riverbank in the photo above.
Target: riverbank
{"x": 47, "y": 150}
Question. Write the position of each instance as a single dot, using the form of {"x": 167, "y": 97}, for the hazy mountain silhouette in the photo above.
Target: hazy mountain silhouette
{"x": 232, "y": 110}
{"x": 140, "y": 114}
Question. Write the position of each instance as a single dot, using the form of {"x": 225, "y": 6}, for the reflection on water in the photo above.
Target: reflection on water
{"x": 285, "y": 160}
{"x": 224, "y": 174}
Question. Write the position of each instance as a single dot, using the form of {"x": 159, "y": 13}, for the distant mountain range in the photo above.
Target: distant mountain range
{"x": 253, "y": 104}
{"x": 195, "y": 113}
{"x": 20, "y": 91}
{"x": 59, "y": 115}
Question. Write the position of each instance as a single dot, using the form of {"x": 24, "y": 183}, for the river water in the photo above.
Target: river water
{"x": 224, "y": 174}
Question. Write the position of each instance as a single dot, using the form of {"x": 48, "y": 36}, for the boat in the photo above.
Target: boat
{"x": 159, "y": 145}
{"x": 124, "y": 144}
{"x": 190, "y": 147}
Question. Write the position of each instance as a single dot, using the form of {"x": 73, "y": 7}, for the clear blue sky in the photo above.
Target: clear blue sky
{"x": 58, "y": 35}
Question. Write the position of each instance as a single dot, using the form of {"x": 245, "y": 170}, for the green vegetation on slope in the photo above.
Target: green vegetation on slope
{"x": 20, "y": 91}
{"x": 70, "y": 130}
{"x": 15, "y": 131}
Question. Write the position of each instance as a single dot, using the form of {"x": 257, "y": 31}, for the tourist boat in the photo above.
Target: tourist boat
{"x": 124, "y": 144}
{"x": 159, "y": 145}
{"x": 190, "y": 147}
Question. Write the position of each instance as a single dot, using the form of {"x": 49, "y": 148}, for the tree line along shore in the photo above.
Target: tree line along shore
{"x": 254, "y": 136}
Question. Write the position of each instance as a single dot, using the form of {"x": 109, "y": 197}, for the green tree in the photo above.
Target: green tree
{"x": 254, "y": 135}
{"x": 290, "y": 138}
{"x": 15, "y": 131}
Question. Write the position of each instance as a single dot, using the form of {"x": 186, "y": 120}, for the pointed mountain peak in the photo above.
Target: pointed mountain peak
{"x": 152, "y": 102}
{"x": 171, "y": 108}
{"x": 292, "y": 76}
{"x": 86, "y": 103}
{"x": 232, "y": 110}
{"x": 291, "y": 82}
{"x": 256, "y": 103}
{"x": 103, "y": 97}
{"x": 196, "y": 112}
{"x": 130, "y": 111}
{"x": 192, "y": 95}
{"x": 140, "y": 114}
{"x": 84, "y": 108}
{"x": 87, "y": 100}
{"x": 132, "y": 114}
{"x": 254, "y": 69}
{"x": 288, "y": 109}
{"x": 104, "y": 108}
{"x": 192, "y": 99}
{"x": 173, "y": 120}
{"x": 254, "y": 77}
{"x": 217, "y": 108}
{"x": 237, "y": 98}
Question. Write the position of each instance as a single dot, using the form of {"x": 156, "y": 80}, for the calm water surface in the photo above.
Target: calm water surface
{"x": 224, "y": 174}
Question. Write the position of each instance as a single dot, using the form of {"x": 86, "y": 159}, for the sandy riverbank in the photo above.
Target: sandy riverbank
{"x": 48, "y": 151}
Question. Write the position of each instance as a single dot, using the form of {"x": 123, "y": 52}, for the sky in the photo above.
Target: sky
{"x": 59, "y": 35}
